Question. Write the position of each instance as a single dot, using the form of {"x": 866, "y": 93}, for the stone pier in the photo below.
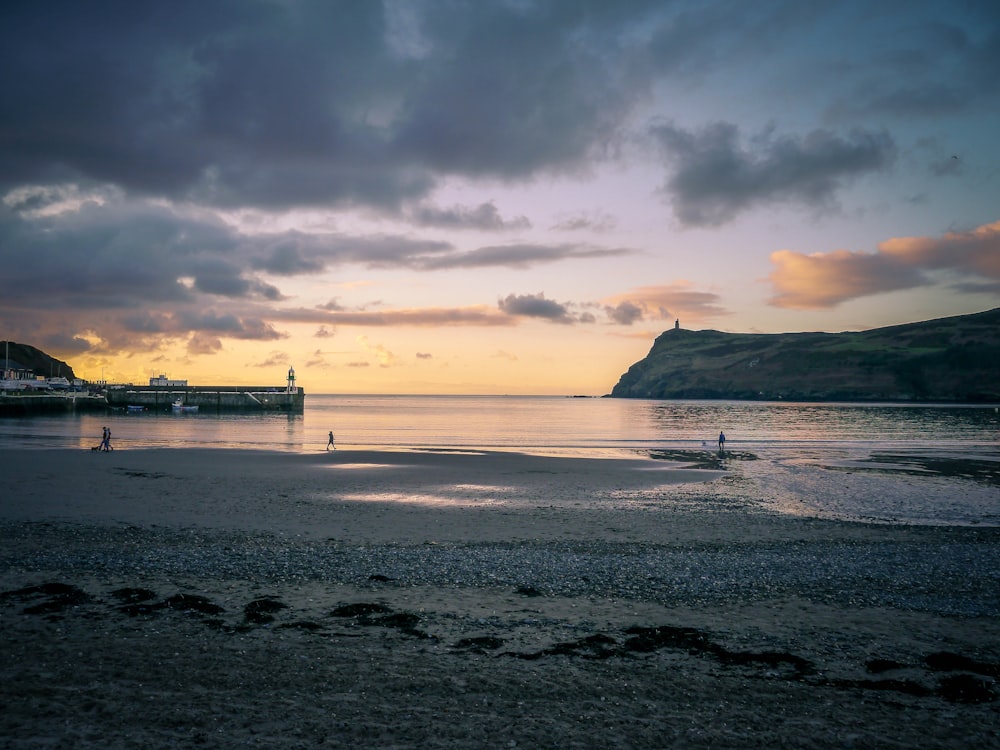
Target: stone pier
{"x": 210, "y": 398}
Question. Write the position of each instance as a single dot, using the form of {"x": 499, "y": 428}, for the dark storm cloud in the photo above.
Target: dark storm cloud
{"x": 142, "y": 253}
{"x": 121, "y": 256}
{"x": 316, "y": 102}
{"x": 291, "y": 255}
{"x": 717, "y": 175}
{"x": 934, "y": 67}
{"x": 148, "y": 322}
{"x": 118, "y": 258}
{"x": 305, "y": 103}
{"x": 320, "y": 102}
{"x": 234, "y": 103}
{"x": 227, "y": 324}
{"x": 226, "y": 280}
{"x": 484, "y": 216}
{"x": 136, "y": 273}
{"x": 100, "y": 257}
{"x": 295, "y": 253}
{"x": 535, "y": 306}
{"x": 523, "y": 86}
{"x": 178, "y": 323}
{"x": 625, "y": 313}
{"x": 514, "y": 256}
{"x": 63, "y": 343}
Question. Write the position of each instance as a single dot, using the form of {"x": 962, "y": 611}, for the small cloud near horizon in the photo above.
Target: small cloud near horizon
{"x": 824, "y": 280}
{"x": 664, "y": 302}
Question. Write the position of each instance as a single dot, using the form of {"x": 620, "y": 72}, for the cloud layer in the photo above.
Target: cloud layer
{"x": 177, "y": 174}
{"x": 717, "y": 177}
{"x": 967, "y": 260}
{"x": 256, "y": 103}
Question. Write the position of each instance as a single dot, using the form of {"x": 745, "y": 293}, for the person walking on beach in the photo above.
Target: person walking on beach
{"x": 329, "y": 443}
{"x": 722, "y": 441}
{"x": 105, "y": 439}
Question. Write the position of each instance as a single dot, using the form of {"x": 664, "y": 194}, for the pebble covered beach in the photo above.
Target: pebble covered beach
{"x": 464, "y": 599}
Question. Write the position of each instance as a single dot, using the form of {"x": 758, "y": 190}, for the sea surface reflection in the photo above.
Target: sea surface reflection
{"x": 873, "y": 462}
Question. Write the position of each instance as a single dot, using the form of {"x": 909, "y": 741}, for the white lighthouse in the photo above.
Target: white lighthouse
{"x": 291, "y": 381}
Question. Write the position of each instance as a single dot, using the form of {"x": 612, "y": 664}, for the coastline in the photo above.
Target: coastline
{"x": 463, "y": 599}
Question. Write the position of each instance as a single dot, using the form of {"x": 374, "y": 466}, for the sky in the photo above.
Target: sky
{"x": 485, "y": 196}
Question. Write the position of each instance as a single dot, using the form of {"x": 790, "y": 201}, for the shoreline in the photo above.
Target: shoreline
{"x": 204, "y": 598}
{"x": 890, "y": 487}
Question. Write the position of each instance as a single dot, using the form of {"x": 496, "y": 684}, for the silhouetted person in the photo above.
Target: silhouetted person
{"x": 329, "y": 443}
{"x": 722, "y": 441}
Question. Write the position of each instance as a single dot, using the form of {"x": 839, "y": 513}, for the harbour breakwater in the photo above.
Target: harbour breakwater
{"x": 25, "y": 404}
{"x": 209, "y": 398}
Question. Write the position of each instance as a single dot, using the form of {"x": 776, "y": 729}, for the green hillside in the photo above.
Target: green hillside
{"x": 950, "y": 359}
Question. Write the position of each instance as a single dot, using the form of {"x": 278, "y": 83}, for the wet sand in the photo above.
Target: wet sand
{"x": 192, "y": 598}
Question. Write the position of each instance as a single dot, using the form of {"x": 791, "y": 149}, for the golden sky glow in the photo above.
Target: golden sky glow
{"x": 489, "y": 197}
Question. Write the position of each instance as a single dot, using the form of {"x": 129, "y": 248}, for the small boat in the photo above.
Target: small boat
{"x": 179, "y": 407}
{"x": 132, "y": 408}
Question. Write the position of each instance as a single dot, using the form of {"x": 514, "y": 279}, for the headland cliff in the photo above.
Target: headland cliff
{"x": 955, "y": 360}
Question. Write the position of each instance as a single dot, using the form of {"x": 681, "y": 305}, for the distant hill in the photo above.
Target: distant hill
{"x": 23, "y": 355}
{"x": 949, "y": 359}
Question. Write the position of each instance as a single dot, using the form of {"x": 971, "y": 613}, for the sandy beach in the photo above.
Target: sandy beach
{"x": 214, "y": 598}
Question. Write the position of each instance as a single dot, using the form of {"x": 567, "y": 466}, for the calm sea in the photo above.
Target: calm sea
{"x": 534, "y": 423}
{"x": 843, "y": 460}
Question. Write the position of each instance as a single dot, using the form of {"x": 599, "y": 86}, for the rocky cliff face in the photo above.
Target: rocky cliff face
{"x": 34, "y": 359}
{"x": 950, "y": 360}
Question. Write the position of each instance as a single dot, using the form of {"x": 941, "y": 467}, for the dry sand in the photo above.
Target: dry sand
{"x": 186, "y": 598}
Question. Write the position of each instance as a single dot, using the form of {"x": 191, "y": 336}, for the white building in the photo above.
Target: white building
{"x": 164, "y": 380}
